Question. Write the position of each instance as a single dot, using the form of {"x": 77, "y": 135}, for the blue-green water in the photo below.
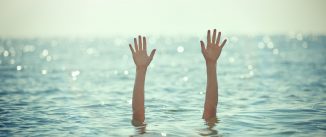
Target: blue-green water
{"x": 268, "y": 86}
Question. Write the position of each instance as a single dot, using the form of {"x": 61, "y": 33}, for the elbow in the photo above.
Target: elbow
{"x": 139, "y": 117}
{"x": 209, "y": 112}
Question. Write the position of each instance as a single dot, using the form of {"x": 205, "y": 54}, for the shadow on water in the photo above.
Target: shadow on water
{"x": 140, "y": 127}
{"x": 209, "y": 130}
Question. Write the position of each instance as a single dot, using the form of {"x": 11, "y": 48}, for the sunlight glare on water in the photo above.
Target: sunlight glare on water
{"x": 268, "y": 86}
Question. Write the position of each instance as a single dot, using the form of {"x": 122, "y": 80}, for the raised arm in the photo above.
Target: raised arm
{"x": 142, "y": 60}
{"x": 211, "y": 51}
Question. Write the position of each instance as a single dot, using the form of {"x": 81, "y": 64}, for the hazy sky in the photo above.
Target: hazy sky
{"x": 129, "y": 17}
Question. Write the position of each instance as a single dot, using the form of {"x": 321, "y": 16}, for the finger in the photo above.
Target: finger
{"x": 218, "y": 38}
{"x": 224, "y": 41}
{"x": 144, "y": 44}
{"x": 214, "y": 36}
{"x": 152, "y": 54}
{"x": 132, "y": 49}
{"x": 136, "y": 45}
{"x": 202, "y": 45}
{"x": 208, "y": 37}
{"x": 140, "y": 43}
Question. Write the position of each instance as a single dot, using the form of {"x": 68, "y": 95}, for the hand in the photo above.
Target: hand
{"x": 141, "y": 59}
{"x": 213, "y": 49}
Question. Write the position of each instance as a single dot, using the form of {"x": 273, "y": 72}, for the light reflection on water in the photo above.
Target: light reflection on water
{"x": 268, "y": 85}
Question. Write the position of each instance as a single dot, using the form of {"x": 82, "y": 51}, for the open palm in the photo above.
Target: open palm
{"x": 213, "y": 49}
{"x": 139, "y": 54}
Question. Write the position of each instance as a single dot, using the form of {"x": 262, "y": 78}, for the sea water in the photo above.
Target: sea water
{"x": 268, "y": 86}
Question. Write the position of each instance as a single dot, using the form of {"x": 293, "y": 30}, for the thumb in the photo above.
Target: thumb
{"x": 152, "y": 54}
{"x": 202, "y": 45}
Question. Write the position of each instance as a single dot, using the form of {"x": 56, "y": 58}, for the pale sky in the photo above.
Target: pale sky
{"x": 39, "y": 18}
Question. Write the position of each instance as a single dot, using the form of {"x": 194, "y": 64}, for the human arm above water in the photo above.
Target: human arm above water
{"x": 211, "y": 52}
{"x": 142, "y": 61}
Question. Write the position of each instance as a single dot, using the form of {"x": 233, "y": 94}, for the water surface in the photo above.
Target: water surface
{"x": 268, "y": 86}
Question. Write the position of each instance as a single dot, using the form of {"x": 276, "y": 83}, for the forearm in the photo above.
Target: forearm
{"x": 138, "y": 95}
{"x": 211, "y": 98}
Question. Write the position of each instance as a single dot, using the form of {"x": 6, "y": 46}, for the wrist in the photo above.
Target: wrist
{"x": 141, "y": 68}
{"x": 211, "y": 63}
